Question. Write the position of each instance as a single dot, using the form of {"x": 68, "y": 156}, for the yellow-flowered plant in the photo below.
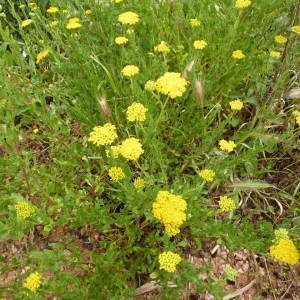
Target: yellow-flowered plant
{"x": 26, "y": 23}
{"x": 236, "y": 104}
{"x": 139, "y": 183}
{"x": 161, "y": 48}
{"x": 284, "y": 250}
{"x": 130, "y": 71}
{"x": 121, "y": 40}
{"x": 73, "y": 23}
{"x": 42, "y": 55}
{"x": 171, "y": 84}
{"x": 207, "y": 175}
{"x": 296, "y": 29}
{"x": 88, "y": 12}
{"x": 53, "y": 24}
{"x": 226, "y": 204}
{"x": 169, "y": 209}
{"x": 238, "y": 54}
{"x": 114, "y": 151}
{"x": 116, "y": 173}
{"x": 242, "y": 3}
{"x": 131, "y": 149}
{"x": 103, "y": 135}
{"x": 280, "y": 39}
{"x": 275, "y": 54}
{"x": 136, "y": 112}
{"x": 227, "y": 146}
{"x": 24, "y": 210}
{"x": 200, "y": 44}
{"x": 194, "y": 22}
{"x": 52, "y": 10}
{"x": 296, "y": 114}
{"x": 128, "y": 18}
{"x": 150, "y": 85}
{"x": 168, "y": 261}
{"x": 33, "y": 282}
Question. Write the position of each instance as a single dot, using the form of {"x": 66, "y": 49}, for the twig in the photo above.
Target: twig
{"x": 239, "y": 291}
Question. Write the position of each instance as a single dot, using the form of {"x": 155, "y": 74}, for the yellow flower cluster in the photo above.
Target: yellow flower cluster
{"x": 238, "y": 54}
{"x": 207, "y": 175}
{"x": 33, "y": 282}
{"x": 128, "y": 18}
{"x": 130, "y": 71}
{"x": 150, "y": 85}
{"x": 168, "y": 261}
{"x": 114, "y": 150}
{"x": 285, "y": 251}
{"x": 26, "y": 23}
{"x": 139, "y": 183}
{"x": 24, "y": 210}
{"x": 296, "y": 114}
{"x": 121, "y": 40}
{"x": 171, "y": 84}
{"x": 131, "y": 149}
{"x": 194, "y": 22}
{"x": 103, "y": 135}
{"x": 169, "y": 209}
{"x": 226, "y": 204}
{"x": 41, "y": 56}
{"x": 53, "y": 24}
{"x": 280, "y": 39}
{"x": 227, "y": 146}
{"x": 236, "y": 104}
{"x": 161, "y": 48}
{"x": 116, "y": 173}
{"x": 275, "y": 54}
{"x": 200, "y": 44}
{"x": 296, "y": 29}
{"x": 52, "y": 10}
{"x": 242, "y": 3}
{"x": 73, "y": 23}
{"x": 136, "y": 112}
{"x": 281, "y": 233}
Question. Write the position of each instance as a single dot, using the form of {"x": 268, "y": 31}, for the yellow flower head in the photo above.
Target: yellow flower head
{"x": 207, "y": 175}
{"x": 53, "y": 24}
{"x": 136, "y": 113}
{"x": 118, "y": 1}
{"x": 161, "y": 48}
{"x": 242, "y": 3}
{"x": 285, "y": 251}
{"x": 150, "y": 85}
{"x": 275, "y": 54}
{"x": 129, "y": 31}
{"x": 194, "y": 22}
{"x": 52, "y": 10}
{"x": 296, "y": 114}
{"x": 170, "y": 211}
{"x": 114, "y": 151}
{"x": 41, "y": 56}
{"x": 24, "y": 210}
{"x": 88, "y": 12}
{"x": 131, "y": 149}
{"x": 236, "y": 104}
{"x": 296, "y": 29}
{"x": 171, "y": 84}
{"x": 33, "y": 282}
{"x": 128, "y": 18}
{"x": 130, "y": 71}
{"x": 103, "y": 135}
{"x": 116, "y": 173}
{"x": 238, "y": 54}
{"x": 139, "y": 183}
{"x": 226, "y": 204}
{"x": 168, "y": 261}
{"x": 280, "y": 39}
{"x": 227, "y": 146}
{"x": 121, "y": 40}
{"x": 200, "y": 44}
{"x": 26, "y": 23}
{"x": 73, "y": 25}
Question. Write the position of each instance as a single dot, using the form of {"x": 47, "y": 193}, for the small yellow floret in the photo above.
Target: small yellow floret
{"x": 207, "y": 175}
{"x": 139, "y": 183}
{"x": 226, "y": 204}
{"x": 103, "y": 135}
{"x": 130, "y": 71}
{"x": 285, "y": 251}
{"x": 26, "y": 22}
{"x": 24, "y": 210}
{"x": 52, "y": 10}
{"x": 296, "y": 114}
{"x": 131, "y": 149}
{"x": 236, "y": 104}
{"x": 296, "y": 29}
{"x": 238, "y": 54}
{"x": 116, "y": 173}
{"x": 41, "y": 56}
{"x": 280, "y": 39}
{"x": 128, "y": 18}
{"x": 161, "y": 48}
{"x": 227, "y": 146}
{"x": 150, "y": 85}
{"x": 136, "y": 112}
{"x": 33, "y": 282}
{"x": 275, "y": 54}
{"x": 121, "y": 40}
{"x": 242, "y": 3}
{"x": 168, "y": 261}
{"x": 200, "y": 44}
{"x": 194, "y": 22}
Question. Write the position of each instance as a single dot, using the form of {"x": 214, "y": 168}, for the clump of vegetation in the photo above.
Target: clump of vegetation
{"x": 134, "y": 131}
